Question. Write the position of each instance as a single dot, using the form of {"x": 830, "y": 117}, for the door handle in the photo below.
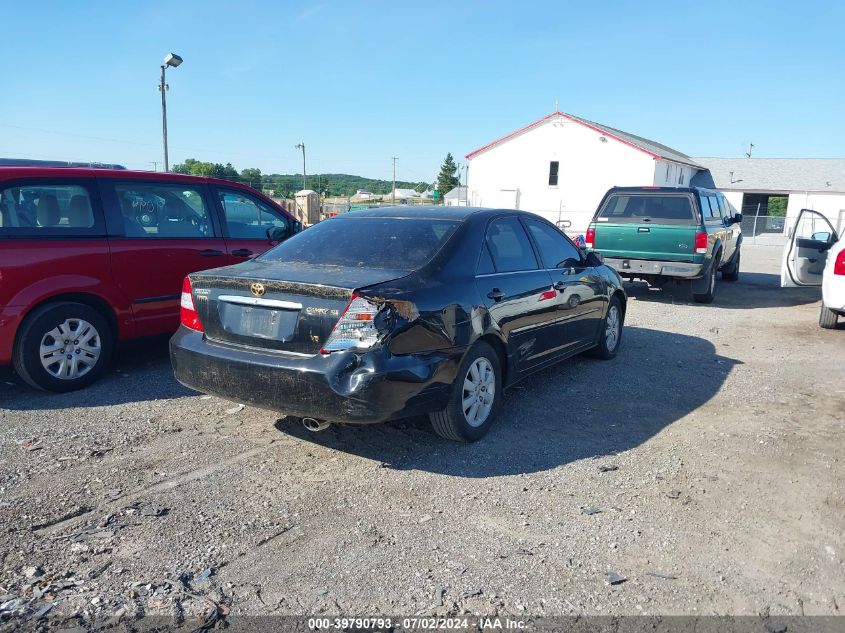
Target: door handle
{"x": 560, "y": 286}
{"x": 242, "y": 252}
{"x": 211, "y": 252}
{"x": 496, "y": 294}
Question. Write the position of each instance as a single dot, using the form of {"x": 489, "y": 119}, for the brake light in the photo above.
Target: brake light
{"x": 839, "y": 264}
{"x": 187, "y": 313}
{"x": 701, "y": 243}
{"x": 590, "y": 238}
{"x": 355, "y": 328}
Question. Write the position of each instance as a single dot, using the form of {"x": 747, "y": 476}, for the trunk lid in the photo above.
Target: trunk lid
{"x": 278, "y": 306}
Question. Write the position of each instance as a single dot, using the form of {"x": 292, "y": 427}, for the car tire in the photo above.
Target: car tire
{"x": 827, "y": 318}
{"x": 89, "y": 352}
{"x": 707, "y": 297}
{"x": 610, "y": 335}
{"x": 480, "y": 371}
{"x": 731, "y": 273}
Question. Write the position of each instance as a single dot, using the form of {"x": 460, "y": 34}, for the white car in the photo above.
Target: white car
{"x": 815, "y": 256}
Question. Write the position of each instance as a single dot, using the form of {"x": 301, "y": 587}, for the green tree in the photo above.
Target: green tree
{"x": 777, "y": 205}
{"x": 252, "y": 177}
{"x": 421, "y": 186}
{"x": 448, "y": 177}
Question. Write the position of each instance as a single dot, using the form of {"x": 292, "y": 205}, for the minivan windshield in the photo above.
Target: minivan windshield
{"x": 657, "y": 208}
{"x": 362, "y": 242}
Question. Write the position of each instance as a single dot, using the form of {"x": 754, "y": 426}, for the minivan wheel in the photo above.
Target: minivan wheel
{"x": 62, "y": 346}
{"x": 708, "y": 296}
{"x": 475, "y": 397}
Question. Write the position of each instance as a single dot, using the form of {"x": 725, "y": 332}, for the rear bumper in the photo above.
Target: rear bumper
{"x": 634, "y": 267}
{"x": 352, "y": 387}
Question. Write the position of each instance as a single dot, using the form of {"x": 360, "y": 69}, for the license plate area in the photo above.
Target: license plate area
{"x": 258, "y": 322}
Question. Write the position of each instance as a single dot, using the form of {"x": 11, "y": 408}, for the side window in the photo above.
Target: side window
{"x": 706, "y": 209}
{"x": 509, "y": 246}
{"x": 554, "y": 248}
{"x": 248, "y": 217}
{"x": 159, "y": 210}
{"x": 717, "y": 210}
{"x": 554, "y": 167}
{"x": 47, "y": 209}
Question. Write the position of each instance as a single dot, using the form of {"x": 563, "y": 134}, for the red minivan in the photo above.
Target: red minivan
{"x": 90, "y": 257}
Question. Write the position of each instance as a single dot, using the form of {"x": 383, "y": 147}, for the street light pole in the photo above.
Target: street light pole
{"x": 393, "y": 193}
{"x": 172, "y": 60}
{"x": 301, "y": 145}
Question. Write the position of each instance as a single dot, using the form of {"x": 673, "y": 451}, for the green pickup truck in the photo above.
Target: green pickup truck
{"x": 659, "y": 234}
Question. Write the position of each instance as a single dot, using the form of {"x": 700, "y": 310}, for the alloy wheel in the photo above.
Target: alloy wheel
{"x": 611, "y": 330}
{"x": 479, "y": 392}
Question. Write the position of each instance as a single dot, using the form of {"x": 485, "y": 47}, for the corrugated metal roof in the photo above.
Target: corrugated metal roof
{"x": 653, "y": 147}
{"x": 772, "y": 174}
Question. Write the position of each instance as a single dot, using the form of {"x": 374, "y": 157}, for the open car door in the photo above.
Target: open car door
{"x": 805, "y": 255}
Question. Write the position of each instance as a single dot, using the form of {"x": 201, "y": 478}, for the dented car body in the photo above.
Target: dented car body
{"x": 368, "y": 318}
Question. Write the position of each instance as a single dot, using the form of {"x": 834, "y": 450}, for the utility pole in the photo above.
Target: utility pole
{"x": 154, "y": 163}
{"x": 393, "y": 193}
{"x": 301, "y": 145}
{"x": 173, "y": 61}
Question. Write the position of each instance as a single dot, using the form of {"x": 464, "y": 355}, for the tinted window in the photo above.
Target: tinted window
{"x": 709, "y": 208}
{"x": 554, "y": 166}
{"x": 388, "y": 243}
{"x": 163, "y": 210}
{"x": 509, "y": 246}
{"x": 554, "y": 248}
{"x": 46, "y": 209}
{"x": 248, "y": 217}
{"x": 634, "y": 208}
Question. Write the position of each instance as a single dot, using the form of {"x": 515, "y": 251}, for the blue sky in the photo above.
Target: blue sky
{"x": 360, "y": 82}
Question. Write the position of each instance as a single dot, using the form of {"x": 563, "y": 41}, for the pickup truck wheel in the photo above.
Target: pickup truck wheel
{"x": 610, "y": 335}
{"x": 62, "y": 347}
{"x": 475, "y": 398}
{"x": 731, "y": 273}
{"x": 827, "y": 318}
{"x": 708, "y": 296}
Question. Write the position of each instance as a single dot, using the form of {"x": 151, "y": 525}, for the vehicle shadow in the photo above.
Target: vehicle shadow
{"x": 580, "y": 409}
{"x": 140, "y": 371}
{"x": 752, "y": 290}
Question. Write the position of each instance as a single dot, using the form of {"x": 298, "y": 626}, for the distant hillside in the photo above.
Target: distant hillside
{"x": 333, "y": 184}
{"x": 285, "y": 185}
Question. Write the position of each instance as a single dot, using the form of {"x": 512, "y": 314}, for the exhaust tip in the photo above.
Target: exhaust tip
{"x": 314, "y": 425}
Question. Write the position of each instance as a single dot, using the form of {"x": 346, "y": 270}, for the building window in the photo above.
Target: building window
{"x": 668, "y": 168}
{"x": 554, "y": 166}
{"x": 681, "y": 176}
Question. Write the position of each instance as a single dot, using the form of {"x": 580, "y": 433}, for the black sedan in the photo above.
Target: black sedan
{"x": 395, "y": 312}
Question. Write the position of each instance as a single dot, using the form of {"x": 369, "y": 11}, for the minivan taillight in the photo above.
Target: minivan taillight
{"x": 590, "y": 238}
{"x": 355, "y": 328}
{"x": 701, "y": 243}
{"x": 839, "y": 264}
{"x": 187, "y": 313}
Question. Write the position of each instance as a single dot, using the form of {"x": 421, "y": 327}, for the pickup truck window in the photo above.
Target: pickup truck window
{"x": 638, "y": 208}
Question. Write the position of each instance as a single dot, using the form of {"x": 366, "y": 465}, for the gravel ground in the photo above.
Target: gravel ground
{"x": 704, "y": 466}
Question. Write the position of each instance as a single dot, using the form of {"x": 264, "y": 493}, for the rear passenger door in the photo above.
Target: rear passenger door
{"x": 581, "y": 297}
{"x": 246, "y": 221}
{"x": 715, "y": 223}
{"x": 517, "y": 293}
{"x": 162, "y": 231}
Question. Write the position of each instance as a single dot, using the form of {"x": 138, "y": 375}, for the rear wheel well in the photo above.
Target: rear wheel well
{"x": 496, "y": 343}
{"x": 622, "y": 300}
{"x": 92, "y": 301}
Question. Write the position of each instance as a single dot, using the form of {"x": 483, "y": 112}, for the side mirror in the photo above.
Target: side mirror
{"x": 277, "y": 234}
{"x": 595, "y": 259}
{"x": 736, "y": 219}
{"x": 297, "y": 227}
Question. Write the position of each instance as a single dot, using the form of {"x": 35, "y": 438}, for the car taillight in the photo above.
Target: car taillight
{"x": 839, "y": 264}
{"x": 355, "y": 328}
{"x": 187, "y": 313}
{"x": 590, "y": 238}
{"x": 701, "y": 243}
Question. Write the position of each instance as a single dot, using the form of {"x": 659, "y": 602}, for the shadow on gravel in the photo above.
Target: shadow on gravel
{"x": 140, "y": 370}
{"x": 581, "y": 408}
{"x": 752, "y": 290}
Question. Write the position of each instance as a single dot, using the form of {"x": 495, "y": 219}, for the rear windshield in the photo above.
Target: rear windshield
{"x": 636, "y": 208}
{"x": 386, "y": 243}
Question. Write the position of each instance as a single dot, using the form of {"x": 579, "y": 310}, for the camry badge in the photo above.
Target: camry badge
{"x": 257, "y": 289}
